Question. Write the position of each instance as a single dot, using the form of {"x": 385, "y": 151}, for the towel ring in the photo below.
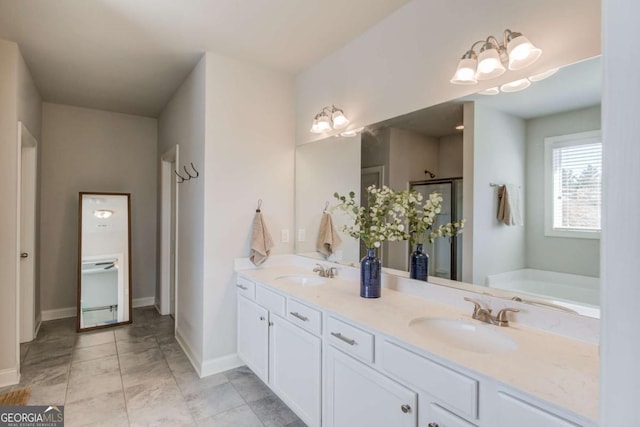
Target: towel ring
{"x": 326, "y": 206}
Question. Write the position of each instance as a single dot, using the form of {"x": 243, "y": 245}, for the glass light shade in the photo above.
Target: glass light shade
{"x": 542, "y": 76}
{"x": 351, "y": 132}
{"x": 323, "y": 123}
{"x": 515, "y": 86}
{"x": 314, "y": 127}
{"x": 103, "y": 213}
{"x": 490, "y": 91}
{"x": 489, "y": 65}
{"x": 465, "y": 73}
{"x": 339, "y": 120}
{"x": 522, "y": 53}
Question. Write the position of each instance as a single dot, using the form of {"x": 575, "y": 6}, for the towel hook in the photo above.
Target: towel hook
{"x": 182, "y": 179}
{"x": 259, "y": 205}
{"x": 326, "y": 206}
{"x": 195, "y": 170}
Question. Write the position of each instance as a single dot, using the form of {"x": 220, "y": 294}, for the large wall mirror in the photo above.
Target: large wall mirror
{"x": 104, "y": 260}
{"x": 466, "y": 149}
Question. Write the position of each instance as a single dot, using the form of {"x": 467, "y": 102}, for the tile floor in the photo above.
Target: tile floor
{"x": 137, "y": 375}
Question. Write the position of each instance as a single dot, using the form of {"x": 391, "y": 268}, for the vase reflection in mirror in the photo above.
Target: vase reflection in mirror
{"x": 104, "y": 260}
{"x": 370, "y": 275}
{"x": 419, "y": 268}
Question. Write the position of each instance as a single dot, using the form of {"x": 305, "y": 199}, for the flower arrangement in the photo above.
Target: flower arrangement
{"x": 382, "y": 219}
{"x": 420, "y": 218}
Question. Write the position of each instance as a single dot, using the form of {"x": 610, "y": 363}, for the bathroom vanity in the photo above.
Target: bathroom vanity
{"x": 340, "y": 360}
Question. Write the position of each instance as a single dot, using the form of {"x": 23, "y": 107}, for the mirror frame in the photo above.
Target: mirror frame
{"x": 79, "y": 266}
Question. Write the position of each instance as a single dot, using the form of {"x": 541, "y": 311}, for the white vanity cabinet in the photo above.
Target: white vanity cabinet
{"x": 357, "y": 395}
{"x": 514, "y": 411}
{"x": 283, "y": 355}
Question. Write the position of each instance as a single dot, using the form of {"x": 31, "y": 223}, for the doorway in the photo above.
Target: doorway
{"x": 29, "y": 316}
{"x": 169, "y": 233}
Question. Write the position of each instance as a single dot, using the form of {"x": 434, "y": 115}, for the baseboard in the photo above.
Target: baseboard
{"x": 38, "y": 324}
{"x": 220, "y": 364}
{"x": 63, "y": 313}
{"x": 58, "y": 313}
{"x": 143, "y": 302}
{"x": 188, "y": 351}
{"x": 9, "y": 376}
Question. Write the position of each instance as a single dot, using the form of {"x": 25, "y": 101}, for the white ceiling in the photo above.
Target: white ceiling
{"x": 130, "y": 56}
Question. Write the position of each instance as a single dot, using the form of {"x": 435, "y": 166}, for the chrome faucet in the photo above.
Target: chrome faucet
{"x": 322, "y": 271}
{"x": 483, "y": 314}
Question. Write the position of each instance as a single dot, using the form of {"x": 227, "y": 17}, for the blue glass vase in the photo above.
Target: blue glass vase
{"x": 370, "y": 275}
{"x": 419, "y": 269}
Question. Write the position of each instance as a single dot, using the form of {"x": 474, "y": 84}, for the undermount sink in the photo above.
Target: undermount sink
{"x": 464, "y": 335}
{"x": 302, "y": 279}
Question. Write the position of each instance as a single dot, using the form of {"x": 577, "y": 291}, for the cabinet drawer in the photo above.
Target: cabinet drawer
{"x": 270, "y": 300}
{"x": 443, "y": 418}
{"x": 246, "y": 287}
{"x": 350, "y": 339}
{"x": 304, "y": 316}
{"x": 453, "y": 389}
{"x": 513, "y": 411}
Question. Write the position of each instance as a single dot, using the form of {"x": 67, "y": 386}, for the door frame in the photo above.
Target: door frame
{"x": 167, "y": 179}
{"x": 26, "y": 141}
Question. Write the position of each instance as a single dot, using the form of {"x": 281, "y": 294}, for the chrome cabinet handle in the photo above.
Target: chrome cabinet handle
{"x": 244, "y": 288}
{"x": 406, "y": 408}
{"x": 433, "y": 425}
{"x": 343, "y": 338}
{"x": 299, "y": 316}
{"x": 24, "y": 255}
{"x": 261, "y": 317}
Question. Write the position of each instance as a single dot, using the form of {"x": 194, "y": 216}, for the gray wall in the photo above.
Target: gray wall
{"x": 499, "y": 157}
{"x": 565, "y": 255}
{"x": 91, "y": 150}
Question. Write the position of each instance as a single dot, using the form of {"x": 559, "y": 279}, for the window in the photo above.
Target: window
{"x": 573, "y": 185}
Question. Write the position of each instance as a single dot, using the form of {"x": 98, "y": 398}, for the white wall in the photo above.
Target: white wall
{"x": 561, "y": 254}
{"x": 450, "y": 153}
{"x": 94, "y": 151}
{"x": 183, "y": 122}
{"x": 404, "y": 62}
{"x": 410, "y": 154}
{"x": 499, "y": 157}
{"x": 620, "y": 348}
{"x": 322, "y": 169}
{"x": 19, "y": 101}
{"x": 249, "y": 153}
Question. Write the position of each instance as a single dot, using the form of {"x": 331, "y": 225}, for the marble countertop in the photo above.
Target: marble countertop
{"x": 559, "y": 370}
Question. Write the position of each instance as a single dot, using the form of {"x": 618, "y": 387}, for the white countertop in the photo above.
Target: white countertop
{"x": 559, "y": 370}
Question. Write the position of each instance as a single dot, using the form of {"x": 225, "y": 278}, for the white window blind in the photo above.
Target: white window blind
{"x": 575, "y": 165}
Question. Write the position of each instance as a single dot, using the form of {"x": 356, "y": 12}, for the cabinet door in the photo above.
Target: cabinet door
{"x": 433, "y": 415}
{"x": 253, "y": 336}
{"x": 295, "y": 368}
{"x": 356, "y": 395}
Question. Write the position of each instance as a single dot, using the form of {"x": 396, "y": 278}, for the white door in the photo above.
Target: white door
{"x": 295, "y": 368}
{"x": 27, "y": 217}
{"x": 169, "y": 214}
{"x": 172, "y": 249}
{"x": 356, "y": 395}
{"x": 253, "y": 337}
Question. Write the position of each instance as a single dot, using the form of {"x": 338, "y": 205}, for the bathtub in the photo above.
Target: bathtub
{"x": 578, "y": 293}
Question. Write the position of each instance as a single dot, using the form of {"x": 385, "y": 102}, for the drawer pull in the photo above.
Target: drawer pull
{"x": 433, "y": 425}
{"x": 244, "y": 288}
{"x": 299, "y": 316}
{"x": 262, "y": 318}
{"x": 406, "y": 408}
{"x": 343, "y": 338}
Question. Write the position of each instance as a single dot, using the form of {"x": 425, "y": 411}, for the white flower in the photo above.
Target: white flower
{"x": 376, "y": 244}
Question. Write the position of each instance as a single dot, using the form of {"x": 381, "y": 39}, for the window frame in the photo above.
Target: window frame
{"x": 551, "y": 143}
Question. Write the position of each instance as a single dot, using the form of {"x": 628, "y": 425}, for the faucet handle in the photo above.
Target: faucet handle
{"x": 501, "y": 317}
{"x": 477, "y": 305}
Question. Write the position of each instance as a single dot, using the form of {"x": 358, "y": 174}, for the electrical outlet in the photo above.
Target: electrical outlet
{"x": 302, "y": 235}
{"x": 284, "y": 235}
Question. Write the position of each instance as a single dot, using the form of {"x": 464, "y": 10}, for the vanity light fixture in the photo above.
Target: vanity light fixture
{"x": 352, "y": 132}
{"x": 103, "y": 213}
{"x": 515, "y": 52}
{"x": 329, "y": 118}
{"x": 519, "y": 85}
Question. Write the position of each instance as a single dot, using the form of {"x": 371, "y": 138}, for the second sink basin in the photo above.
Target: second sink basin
{"x": 464, "y": 335}
{"x": 302, "y": 279}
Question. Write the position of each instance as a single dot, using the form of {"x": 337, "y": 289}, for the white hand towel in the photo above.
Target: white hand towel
{"x": 261, "y": 242}
{"x": 509, "y": 205}
{"x": 328, "y": 238}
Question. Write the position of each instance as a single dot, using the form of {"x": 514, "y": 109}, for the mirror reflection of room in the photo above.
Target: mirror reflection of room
{"x": 468, "y": 150}
{"x": 104, "y": 257}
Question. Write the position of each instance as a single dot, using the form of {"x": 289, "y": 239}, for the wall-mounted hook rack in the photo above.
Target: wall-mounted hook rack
{"x": 189, "y": 175}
